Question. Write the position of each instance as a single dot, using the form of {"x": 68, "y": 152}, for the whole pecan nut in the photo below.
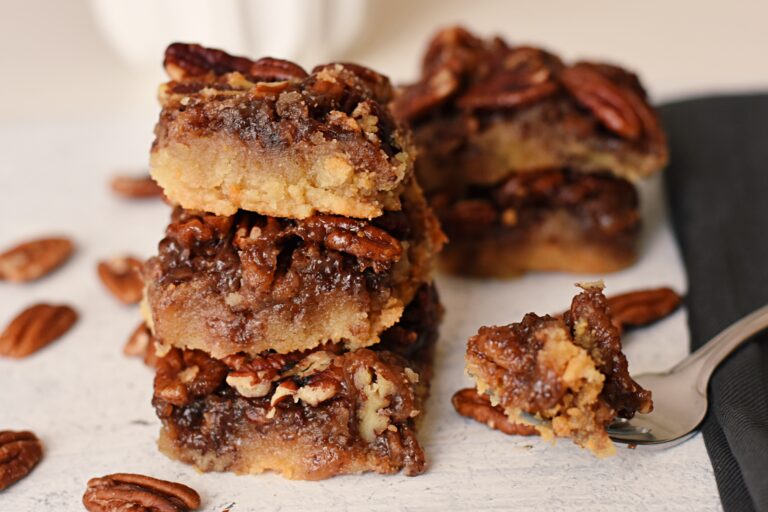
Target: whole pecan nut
{"x": 470, "y": 404}
{"x": 136, "y": 187}
{"x": 19, "y": 454}
{"x": 642, "y": 307}
{"x": 34, "y": 328}
{"x": 610, "y": 103}
{"x": 33, "y": 259}
{"x": 122, "y": 276}
{"x": 126, "y": 491}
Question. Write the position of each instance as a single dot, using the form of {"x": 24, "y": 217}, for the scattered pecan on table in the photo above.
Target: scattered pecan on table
{"x": 34, "y": 259}
{"x": 136, "y": 187}
{"x": 126, "y": 491}
{"x": 122, "y": 277}
{"x": 19, "y": 454}
{"x": 141, "y": 344}
{"x": 643, "y": 307}
{"x": 34, "y": 328}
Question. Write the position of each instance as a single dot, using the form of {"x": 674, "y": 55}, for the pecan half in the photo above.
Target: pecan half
{"x": 523, "y": 75}
{"x": 452, "y": 54}
{"x": 33, "y": 259}
{"x": 358, "y": 238}
{"x": 122, "y": 277}
{"x": 126, "y": 491}
{"x": 470, "y": 404}
{"x": 34, "y": 328}
{"x": 608, "y": 101}
{"x": 19, "y": 454}
{"x": 183, "y": 375}
{"x": 136, "y": 187}
{"x": 421, "y": 97}
{"x": 141, "y": 344}
{"x": 184, "y": 61}
{"x": 642, "y": 307}
{"x": 319, "y": 390}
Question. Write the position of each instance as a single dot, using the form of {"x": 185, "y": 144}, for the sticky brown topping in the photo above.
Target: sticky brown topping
{"x": 462, "y": 72}
{"x": 276, "y": 103}
{"x": 607, "y": 206}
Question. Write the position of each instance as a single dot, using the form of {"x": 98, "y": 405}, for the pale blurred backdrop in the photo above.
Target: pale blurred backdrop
{"x": 95, "y": 58}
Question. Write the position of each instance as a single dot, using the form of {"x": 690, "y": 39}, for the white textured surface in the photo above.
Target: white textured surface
{"x": 91, "y": 405}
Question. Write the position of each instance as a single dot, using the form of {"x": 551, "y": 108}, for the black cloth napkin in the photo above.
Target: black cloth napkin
{"x": 717, "y": 187}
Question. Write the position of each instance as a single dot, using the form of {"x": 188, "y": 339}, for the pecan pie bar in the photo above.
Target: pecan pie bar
{"x": 568, "y": 372}
{"x": 268, "y": 137}
{"x": 551, "y": 220}
{"x": 250, "y": 283}
{"x": 308, "y": 415}
{"x": 529, "y": 160}
{"x": 483, "y": 109}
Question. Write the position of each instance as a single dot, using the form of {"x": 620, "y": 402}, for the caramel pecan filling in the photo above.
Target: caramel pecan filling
{"x": 381, "y": 384}
{"x": 606, "y": 206}
{"x": 467, "y": 76}
{"x": 273, "y": 255}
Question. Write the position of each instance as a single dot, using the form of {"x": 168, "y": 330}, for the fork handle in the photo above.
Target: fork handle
{"x": 707, "y": 358}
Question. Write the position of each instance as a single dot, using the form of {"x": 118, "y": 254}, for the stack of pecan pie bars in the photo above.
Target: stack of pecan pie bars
{"x": 529, "y": 162}
{"x": 290, "y": 301}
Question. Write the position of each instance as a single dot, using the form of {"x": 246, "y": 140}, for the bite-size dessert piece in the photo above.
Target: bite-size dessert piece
{"x": 566, "y": 377}
{"x": 529, "y": 161}
{"x": 307, "y": 415}
{"x": 250, "y": 283}
{"x": 268, "y": 137}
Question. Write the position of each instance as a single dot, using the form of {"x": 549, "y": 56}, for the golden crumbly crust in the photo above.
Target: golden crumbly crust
{"x": 266, "y": 136}
{"x": 568, "y": 372}
{"x": 250, "y": 283}
{"x": 310, "y": 415}
{"x": 483, "y": 109}
{"x": 491, "y": 257}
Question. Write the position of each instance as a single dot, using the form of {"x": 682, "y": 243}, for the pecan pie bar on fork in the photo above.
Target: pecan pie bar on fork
{"x": 540, "y": 155}
{"x": 267, "y": 136}
{"x": 569, "y": 373}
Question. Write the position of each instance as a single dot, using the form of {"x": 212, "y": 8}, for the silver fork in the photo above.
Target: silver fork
{"x": 680, "y": 394}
